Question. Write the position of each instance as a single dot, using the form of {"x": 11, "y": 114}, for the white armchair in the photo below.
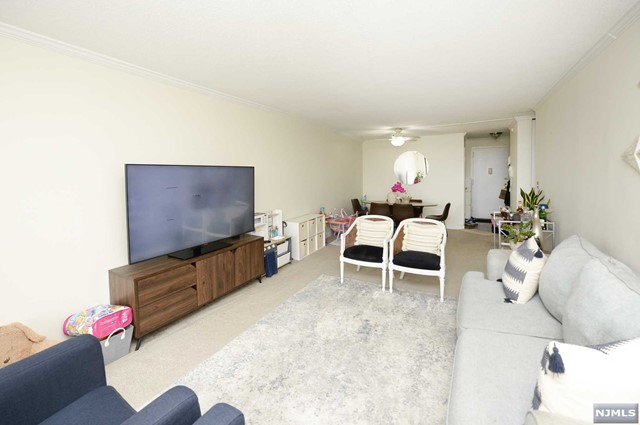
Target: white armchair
{"x": 418, "y": 247}
{"x": 366, "y": 243}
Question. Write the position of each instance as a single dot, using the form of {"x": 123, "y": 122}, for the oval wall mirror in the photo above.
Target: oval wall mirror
{"x": 411, "y": 167}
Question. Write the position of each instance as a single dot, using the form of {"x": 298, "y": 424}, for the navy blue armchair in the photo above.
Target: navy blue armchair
{"x": 66, "y": 384}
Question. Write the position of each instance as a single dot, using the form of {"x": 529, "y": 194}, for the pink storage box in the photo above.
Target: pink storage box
{"x": 98, "y": 321}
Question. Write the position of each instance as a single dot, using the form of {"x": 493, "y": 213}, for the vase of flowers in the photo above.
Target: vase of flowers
{"x": 396, "y": 191}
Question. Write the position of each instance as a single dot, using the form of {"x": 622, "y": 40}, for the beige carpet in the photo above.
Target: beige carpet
{"x": 172, "y": 352}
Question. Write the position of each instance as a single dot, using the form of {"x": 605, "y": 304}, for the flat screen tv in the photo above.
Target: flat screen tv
{"x": 186, "y": 210}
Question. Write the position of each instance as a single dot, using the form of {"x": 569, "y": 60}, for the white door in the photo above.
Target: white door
{"x": 489, "y": 173}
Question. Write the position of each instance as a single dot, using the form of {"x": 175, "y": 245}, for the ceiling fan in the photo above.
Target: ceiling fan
{"x": 398, "y": 138}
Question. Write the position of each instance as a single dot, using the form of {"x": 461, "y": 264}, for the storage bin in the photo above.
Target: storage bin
{"x": 117, "y": 344}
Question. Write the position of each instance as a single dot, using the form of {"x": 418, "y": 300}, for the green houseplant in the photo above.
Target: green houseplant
{"x": 533, "y": 198}
{"x": 517, "y": 233}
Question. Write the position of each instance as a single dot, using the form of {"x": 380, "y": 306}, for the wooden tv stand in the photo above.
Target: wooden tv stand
{"x": 163, "y": 289}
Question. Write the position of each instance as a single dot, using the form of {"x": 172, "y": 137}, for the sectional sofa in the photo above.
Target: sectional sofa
{"x": 584, "y": 298}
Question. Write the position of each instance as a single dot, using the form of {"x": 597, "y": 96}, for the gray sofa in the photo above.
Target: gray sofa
{"x": 584, "y": 297}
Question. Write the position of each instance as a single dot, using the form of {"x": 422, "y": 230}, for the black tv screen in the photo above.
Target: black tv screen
{"x": 178, "y": 209}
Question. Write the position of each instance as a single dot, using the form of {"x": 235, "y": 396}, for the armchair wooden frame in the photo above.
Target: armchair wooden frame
{"x": 348, "y": 240}
{"x": 395, "y": 247}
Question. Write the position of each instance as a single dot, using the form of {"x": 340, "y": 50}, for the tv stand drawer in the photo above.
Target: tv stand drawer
{"x": 159, "y": 286}
{"x": 167, "y": 309}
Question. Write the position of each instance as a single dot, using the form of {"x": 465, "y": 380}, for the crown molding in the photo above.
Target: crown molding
{"x": 38, "y": 40}
{"x": 605, "y": 41}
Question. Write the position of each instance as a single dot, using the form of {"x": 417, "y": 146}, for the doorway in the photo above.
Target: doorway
{"x": 489, "y": 173}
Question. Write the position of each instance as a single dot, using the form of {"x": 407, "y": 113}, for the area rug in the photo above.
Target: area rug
{"x": 338, "y": 353}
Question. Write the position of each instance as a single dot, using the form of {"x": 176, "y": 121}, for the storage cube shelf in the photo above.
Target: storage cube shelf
{"x": 307, "y": 234}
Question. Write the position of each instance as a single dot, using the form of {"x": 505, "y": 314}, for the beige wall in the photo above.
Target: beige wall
{"x": 444, "y": 183}
{"x": 68, "y": 126}
{"x": 582, "y": 130}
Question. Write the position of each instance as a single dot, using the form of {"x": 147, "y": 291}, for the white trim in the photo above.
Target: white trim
{"x": 38, "y": 40}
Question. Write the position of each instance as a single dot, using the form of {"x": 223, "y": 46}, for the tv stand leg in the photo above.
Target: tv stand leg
{"x": 138, "y": 343}
{"x": 260, "y": 279}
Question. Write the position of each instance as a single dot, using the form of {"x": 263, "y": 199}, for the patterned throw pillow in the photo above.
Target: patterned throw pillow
{"x": 522, "y": 272}
{"x": 573, "y": 378}
{"x": 373, "y": 232}
{"x": 422, "y": 237}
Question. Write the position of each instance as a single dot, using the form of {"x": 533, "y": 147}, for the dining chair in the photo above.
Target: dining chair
{"x": 379, "y": 208}
{"x": 401, "y": 212}
{"x": 366, "y": 243}
{"x": 417, "y": 210}
{"x": 441, "y": 217}
{"x": 418, "y": 247}
{"x": 357, "y": 207}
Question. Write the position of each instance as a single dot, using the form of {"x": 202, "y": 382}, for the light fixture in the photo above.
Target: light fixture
{"x": 397, "y": 139}
{"x": 496, "y": 135}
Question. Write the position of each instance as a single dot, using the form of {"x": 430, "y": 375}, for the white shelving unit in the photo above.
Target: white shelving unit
{"x": 547, "y": 237}
{"x": 307, "y": 234}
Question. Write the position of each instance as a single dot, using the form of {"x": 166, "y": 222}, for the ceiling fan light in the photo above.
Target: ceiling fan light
{"x": 398, "y": 140}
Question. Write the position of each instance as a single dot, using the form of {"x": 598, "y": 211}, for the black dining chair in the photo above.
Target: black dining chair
{"x": 357, "y": 207}
{"x": 378, "y": 208}
{"x": 442, "y": 217}
{"x": 401, "y": 212}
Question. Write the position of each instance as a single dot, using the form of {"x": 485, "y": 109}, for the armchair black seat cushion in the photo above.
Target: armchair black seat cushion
{"x": 372, "y": 254}
{"x": 66, "y": 384}
{"x": 417, "y": 260}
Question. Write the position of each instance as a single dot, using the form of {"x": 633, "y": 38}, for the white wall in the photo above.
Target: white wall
{"x": 444, "y": 183}
{"x": 68, "y": 126}
{"x": 581, "y": 132}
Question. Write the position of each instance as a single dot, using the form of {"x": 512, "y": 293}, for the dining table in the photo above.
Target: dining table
{"x": 417, "y": 205}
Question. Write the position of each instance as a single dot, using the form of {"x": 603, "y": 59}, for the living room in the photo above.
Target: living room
{"x": 72, "y": 118}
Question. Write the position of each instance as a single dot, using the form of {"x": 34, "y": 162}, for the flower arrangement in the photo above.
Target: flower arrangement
{"x": 419, "y": 177}
{"x": 397, "y": 188}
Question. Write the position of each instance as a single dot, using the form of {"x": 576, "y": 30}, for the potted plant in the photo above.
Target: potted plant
{"x": 516, "y": 234}
{"x": 531, "y": 199}
{"x": 397, "y": 193}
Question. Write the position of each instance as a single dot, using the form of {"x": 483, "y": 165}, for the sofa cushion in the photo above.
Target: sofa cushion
{"x": 521, "y": 274}
{"x": 536, "y": 417}
{"x": 102, "y": 406}
{"x": 496, "y": 261}
{"x": 603, "y": 305}
{"x": 494, "y": 375}
{"x": 481, "y": 306}
{"x": 589, "y": 375}
{"x": 372, "y": 254}
{"x": 561, "y": 271}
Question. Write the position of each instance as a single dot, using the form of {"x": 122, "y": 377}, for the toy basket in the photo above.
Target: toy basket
{"x": 117, "y": 344}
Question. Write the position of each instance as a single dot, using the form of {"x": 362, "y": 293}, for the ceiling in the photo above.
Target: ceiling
{"x": 359, "y": 67}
